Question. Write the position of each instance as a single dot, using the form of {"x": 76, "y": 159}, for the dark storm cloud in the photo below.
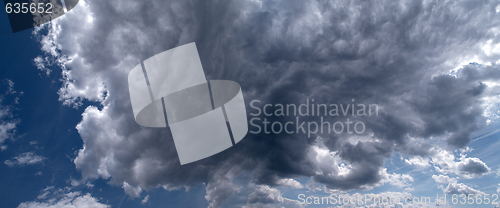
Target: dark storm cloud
{"x": 394, "y": 54}
{"x": 450, "y": 104}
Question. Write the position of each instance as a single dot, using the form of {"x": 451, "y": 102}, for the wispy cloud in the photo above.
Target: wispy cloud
{"x": 52, "y": 198}
{"x": 8, "y": 121}
{"x": 27, "y": 158}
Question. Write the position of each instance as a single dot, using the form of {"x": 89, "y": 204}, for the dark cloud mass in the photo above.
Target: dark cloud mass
{"x": 397, "y": 54}
{"x": 474, "y": 167}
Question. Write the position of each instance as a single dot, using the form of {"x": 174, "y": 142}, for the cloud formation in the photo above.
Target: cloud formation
{"x": 8, "y": 122}
{"x": 445, "y": 162}
{"x": 27, "y": 158}
{"x": 63, "y": 198}
{"x": 432, "y": 67}
{"x": 267, "y": 197}
{"x": 473, "y": 167}
{"x": 453, "y": 186}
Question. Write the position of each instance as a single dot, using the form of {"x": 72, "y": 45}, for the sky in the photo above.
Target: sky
{"x": 68, "y": 136}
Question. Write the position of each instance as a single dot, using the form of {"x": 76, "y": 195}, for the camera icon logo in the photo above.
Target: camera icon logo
{"x": 170, "y": 90}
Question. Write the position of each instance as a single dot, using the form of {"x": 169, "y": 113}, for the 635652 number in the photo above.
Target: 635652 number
{"x": 25, "y": 8}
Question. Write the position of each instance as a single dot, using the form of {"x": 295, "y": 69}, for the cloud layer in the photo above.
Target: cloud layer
{"x": 412, "y": 58}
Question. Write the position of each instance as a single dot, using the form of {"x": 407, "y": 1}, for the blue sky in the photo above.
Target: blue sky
{"x": 432, "y": 67}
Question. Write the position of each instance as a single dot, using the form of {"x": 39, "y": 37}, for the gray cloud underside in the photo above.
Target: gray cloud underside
{"x": 474, "y": 167}
{"x": 394, "y": 54}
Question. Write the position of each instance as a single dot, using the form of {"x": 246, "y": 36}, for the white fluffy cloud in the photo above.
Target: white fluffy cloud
{"x": 460, "y": 188}
{"x": 453, "y": 186}
{"x": 467, "y": 167}
{"x": 288, "y": 182}
{"x": 330, "y": 165}
{"x": 398, "y": 180}
{"x": 445, "y": 161}
{"x": 418, "y": 161}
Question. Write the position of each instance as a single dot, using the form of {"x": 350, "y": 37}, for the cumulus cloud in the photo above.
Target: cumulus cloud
{"x": 27, "y": 158}
{"x": 473, "y": 167}
{"x": 418, "y": 161}
{"x": 453, "y": 186}
{"x": 332, "y": 168}
{"x": 63, "y": 198}
{"x": 411, "y": 58}
{"x": 460, "y": 188}
{"x": 288, "y": 182}
{"x": 445, "y": 161}
{"x": 399, "y": 180}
